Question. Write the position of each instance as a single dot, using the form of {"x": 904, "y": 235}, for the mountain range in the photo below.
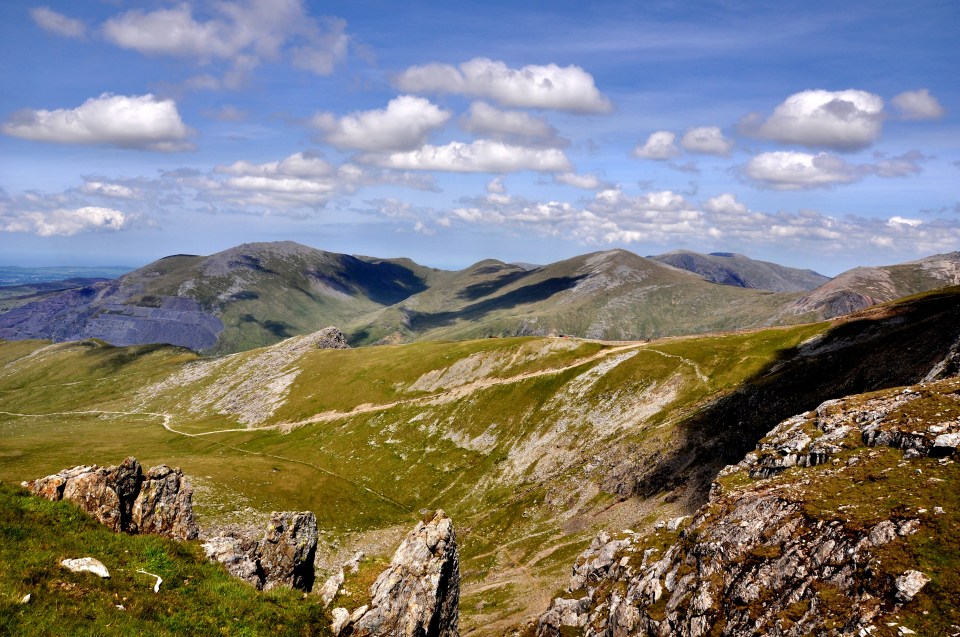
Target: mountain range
{"x": 257, "y": 294}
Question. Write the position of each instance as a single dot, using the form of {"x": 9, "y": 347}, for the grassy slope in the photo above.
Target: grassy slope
{"x": 492, "y": 458}
{"x": 195, "y": 598}
{"x": 520, "y": 440}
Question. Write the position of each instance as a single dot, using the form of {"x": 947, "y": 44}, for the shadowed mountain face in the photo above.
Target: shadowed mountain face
{"x": 862, "y": 287}
{"x": 244, "y": 297}
{"x": 728, "y": 268}
{"x": 613, "y": 295}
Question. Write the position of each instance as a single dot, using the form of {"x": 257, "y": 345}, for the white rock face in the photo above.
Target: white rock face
{"x": 86, "y": 565}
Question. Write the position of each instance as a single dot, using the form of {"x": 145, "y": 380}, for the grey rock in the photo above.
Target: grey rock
{"x": 287, "y": 550}
{"x": 283, "y": 557}
{"x": 909, "y": 584}
{"x": 163, "y": 506}
{"x": 123, "y": 499}
{"x": 419, "y": 593}
{"x": 238, "y": 556}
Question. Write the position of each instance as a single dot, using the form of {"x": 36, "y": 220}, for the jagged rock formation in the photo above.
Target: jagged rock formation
{"x": 774, "y": 552}
{"x": 283, "y": 557}
{"x": 123, "y": 499}
{"x": 418, "y": 594}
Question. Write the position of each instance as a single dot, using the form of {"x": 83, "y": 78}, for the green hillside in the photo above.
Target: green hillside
{"x": 530, "y": 444}
{"x": 195, "y": 597}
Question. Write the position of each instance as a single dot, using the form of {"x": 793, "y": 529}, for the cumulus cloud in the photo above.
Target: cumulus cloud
{"x": 489, "y": 121}
{"x": 667, "y": 218}
{"x": 63, "y": 222}
{"x": 142, "y": 122}
{"x": 496, "y": 185}
{"x": 565, "y": 88}
{"x": 300, "y": 181}
{"x": 918, "y": 104}
{"x": 708, "y": 140}
{"x": 840, "y": 120}
{"x": 584, "y": 182}
{"x": 790, "y": 170}
{"x": 659, "y": 146}
{"x": 724, "y": 204}
{"x": 57, "y": 23}
{"x": 403, "y": 125}
{"x": 107, "y": 189}
{"x": 485, "y": 156}
{"x": 241, "y": 33}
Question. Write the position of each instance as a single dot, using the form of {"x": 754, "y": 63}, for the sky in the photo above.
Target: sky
{"x": 823, "y": 135}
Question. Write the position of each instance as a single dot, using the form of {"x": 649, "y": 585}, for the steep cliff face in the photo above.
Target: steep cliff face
{"x": 124, "y": 499}
{"x": 418, "y": 595}
{"x": 844, "y": 521}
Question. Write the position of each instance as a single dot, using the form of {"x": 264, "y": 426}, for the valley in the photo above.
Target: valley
{"x": 532, "y": 445}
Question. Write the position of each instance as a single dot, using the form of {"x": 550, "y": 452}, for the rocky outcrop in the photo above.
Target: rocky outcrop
{"x": 283, "y": 557}
{"x": 124, "y": 499}
{"x": 418, "y": 594}
{"x": 802, "y": 537}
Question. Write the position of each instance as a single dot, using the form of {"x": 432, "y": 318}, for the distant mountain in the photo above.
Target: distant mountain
{"x": 244, "y": 297}
{"x": 259, "y": 293}
{"x": 862, "y": 287}
{"x": 610, "y": 295}
{"x": 736, "y": 269}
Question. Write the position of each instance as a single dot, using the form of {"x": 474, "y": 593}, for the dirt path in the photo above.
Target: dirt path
{"x": 446, "y": 396}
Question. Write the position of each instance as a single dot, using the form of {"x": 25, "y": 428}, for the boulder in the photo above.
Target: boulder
{"x": 123, "y": 499}
{"x": 287, "y": 550}
{"x": 909, "y": 584}
{"x": 419, "y": 593}
{"x": 163, "y": 506}
{"x": 86, "y": 565}
{"x": 283, "y": 557}
{"x": 238, "y": 556}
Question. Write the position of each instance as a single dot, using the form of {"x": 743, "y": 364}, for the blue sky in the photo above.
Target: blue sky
{"x": 821, "y": 135}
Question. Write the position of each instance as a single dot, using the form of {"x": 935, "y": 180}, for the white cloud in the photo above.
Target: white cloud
{"x": 841, "y": 120}
{"x": 489, "y": 121}
{"x": 241, "y": 33}
{"x": 667, "y": 218}
{"x": 901, "y": 221}
{"x": 403, "y": 125}
{"x": 50, "y": 20}
{"x": 900, "y": 166}
{"x": 142, "y": 122}
{"x": 788, "y": 170}
{"x": 584, "y": 182}
{"x": 496, "y": 185}
{"x": 659, "y": 146}
{"x": 708, "y": 140}
{"x": 724, "y": 204}
{"x": 918, "y": 104}
{"x": 300, "y": 181}
{"x": 64, "y": 222}
{"x": 483, "y": 155}
{"x": 567, "y": 88}
{"x": 106, "y": 189}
